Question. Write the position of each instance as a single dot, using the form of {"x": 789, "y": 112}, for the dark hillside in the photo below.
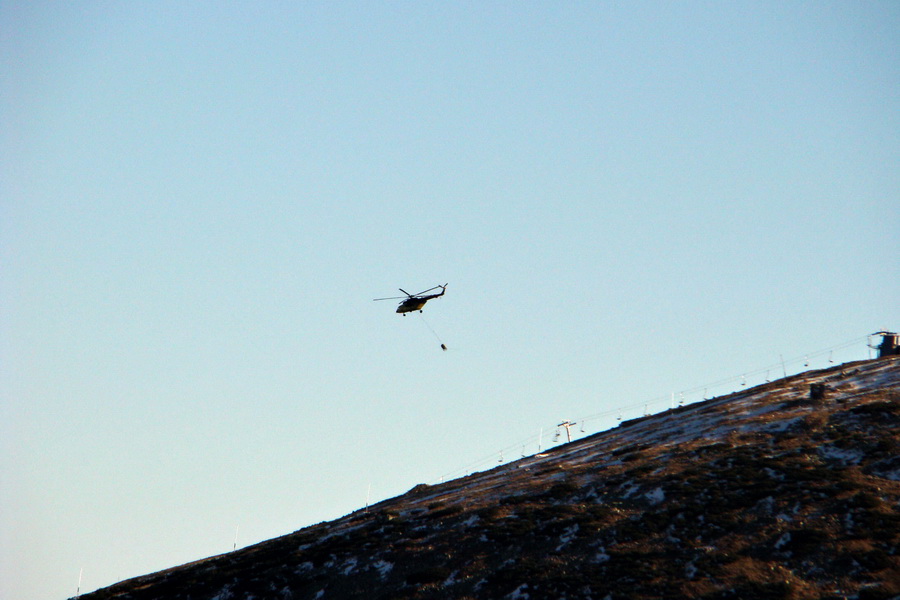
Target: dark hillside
{"x": 787, "y": 490}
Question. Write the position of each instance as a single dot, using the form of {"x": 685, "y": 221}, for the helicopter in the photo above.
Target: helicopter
{"x": 413, "y": 302}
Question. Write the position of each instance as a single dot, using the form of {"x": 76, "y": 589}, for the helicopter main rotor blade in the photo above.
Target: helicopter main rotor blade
{"x": 428, "y": 290}
{"x": 408, "y": 295}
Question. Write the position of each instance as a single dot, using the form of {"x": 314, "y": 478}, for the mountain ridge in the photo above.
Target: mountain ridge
{"x": 789, "y": 489}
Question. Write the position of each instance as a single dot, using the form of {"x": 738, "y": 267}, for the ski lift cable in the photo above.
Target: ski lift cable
{"x": 731, "y": 380}
{"x": 661, "y": 400}
{"x": 491, "y": 458}
{"x": 751, "y": 374}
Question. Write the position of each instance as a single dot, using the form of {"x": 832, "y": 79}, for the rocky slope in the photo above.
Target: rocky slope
{"x": 786, "y": 490}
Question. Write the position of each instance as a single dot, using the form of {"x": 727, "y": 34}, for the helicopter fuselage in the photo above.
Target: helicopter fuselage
{"x": 415, "y": 302}
{"x": 411, "y": 305}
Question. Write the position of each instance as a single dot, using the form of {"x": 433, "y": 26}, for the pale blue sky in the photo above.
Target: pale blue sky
{"x": 200, "y": 201}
